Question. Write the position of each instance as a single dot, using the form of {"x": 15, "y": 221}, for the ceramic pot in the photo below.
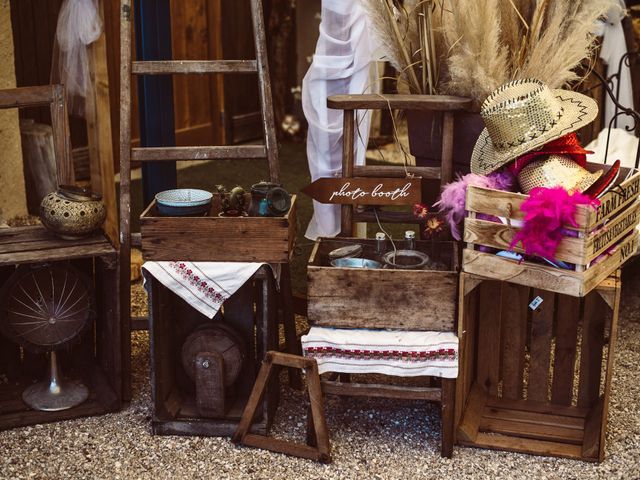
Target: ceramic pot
{"x": 269, "y": 200}
{"x": 425, "y": 143}
{"x": 72, "y": 212}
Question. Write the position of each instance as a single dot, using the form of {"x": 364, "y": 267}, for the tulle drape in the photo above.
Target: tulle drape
{"x": 340, "y": 65}
{"x": 79, "y": 25}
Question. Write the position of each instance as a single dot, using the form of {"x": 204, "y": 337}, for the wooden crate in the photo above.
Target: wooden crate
{"x": 97, "y": 359}
{"x": 610, "y": 225}
{"x": 533, "y": 381}
{"x": 252, "y": 311}
{"x": 213, "y": 238}
{"x": 382, "y": 298}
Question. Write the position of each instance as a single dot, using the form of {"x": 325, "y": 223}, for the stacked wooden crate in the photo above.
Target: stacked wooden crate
{"x": 531, "y": 375}
{"x": 604, "y": 238}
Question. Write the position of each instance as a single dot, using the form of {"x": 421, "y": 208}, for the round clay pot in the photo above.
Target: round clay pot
{"x": 72, "y": 212}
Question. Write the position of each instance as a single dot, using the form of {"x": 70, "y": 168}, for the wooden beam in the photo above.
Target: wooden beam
{"x": 441, "y": 103}
{"x": 197, "y": 153}
{"x": 168, "y": 67}
{"x": 98, "y": 115}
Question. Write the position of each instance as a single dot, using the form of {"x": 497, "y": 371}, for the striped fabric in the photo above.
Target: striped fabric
{"x": 397, "y": 353}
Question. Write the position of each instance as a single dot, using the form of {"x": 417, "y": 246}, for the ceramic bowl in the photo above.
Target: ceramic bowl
{"x": 183, "y": 202}
{"x": 72, "y": 212}
{"x": 184, "y": 197}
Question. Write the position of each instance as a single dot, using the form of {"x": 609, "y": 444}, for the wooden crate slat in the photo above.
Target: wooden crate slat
{"x": 467, "y": 324}
{"x": 515, "y": 300}
{"x": 510, "y": 443}
{"x": 382, "y": 391}
{"x": 498, "y": 235}
{"x": 507, "y": 204}
{"x": 540, "y": 349}
{"x": 213, "y": 238}
{"x": 538, "y": 407}
{"x": 568, "y": 309}
{"x": 593, "y": 322}
{"x": 611, "y": 233}
{"x": 615, "y": 200}
{"x": 352, "y": 298}
{"x": 164, "y": 67}
{"x": 153, "y": 154}
{"x": 57, "y": 254}
{"x": 488, "y": 375}
{"x": 536, "y": 275}
{"x": 496, "y": 410}
{"x": 528, "y": 430}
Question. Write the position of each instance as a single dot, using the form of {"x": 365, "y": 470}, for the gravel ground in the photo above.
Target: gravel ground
{"x": 370, "y": 438}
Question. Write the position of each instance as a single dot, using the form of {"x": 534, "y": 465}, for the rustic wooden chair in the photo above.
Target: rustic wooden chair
{"x": 447, "y": 105}
{"x": 340, "y": 384}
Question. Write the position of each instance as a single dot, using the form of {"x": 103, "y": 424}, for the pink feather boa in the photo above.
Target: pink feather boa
{"x": 453, "y": 198}
{"x": 546, "y": 210}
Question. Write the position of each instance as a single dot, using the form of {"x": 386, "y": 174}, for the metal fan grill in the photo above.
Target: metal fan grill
{"x": 47, "y": 308}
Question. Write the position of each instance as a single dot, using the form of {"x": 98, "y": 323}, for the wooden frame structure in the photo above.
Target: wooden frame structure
{"x": 530, "y": 379}
{"x": 318, "y": 447}
{"x": 175, "y": 408}
{"x": 99, "y": 358}
{"x": 268, "y": 151}
{"x": 52, "y": 96}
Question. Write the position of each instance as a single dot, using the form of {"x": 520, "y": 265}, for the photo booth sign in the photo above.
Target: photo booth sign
{"x": 366, "y": 191}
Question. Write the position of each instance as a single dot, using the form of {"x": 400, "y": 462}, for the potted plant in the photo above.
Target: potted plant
{"x": 468, "y": 48}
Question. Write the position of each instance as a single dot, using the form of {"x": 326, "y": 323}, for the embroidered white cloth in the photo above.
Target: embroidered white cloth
{"x": 203, "y": 285}
{"x": 390, "y": 352}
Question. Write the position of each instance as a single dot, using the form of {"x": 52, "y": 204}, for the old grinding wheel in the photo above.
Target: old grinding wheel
{"x": 214, "y": 338}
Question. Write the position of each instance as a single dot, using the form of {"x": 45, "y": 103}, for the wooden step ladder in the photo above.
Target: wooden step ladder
{"x": 128, "y": 68}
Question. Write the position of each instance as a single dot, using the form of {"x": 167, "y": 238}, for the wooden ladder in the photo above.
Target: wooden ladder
{"x": 128, "y": 68}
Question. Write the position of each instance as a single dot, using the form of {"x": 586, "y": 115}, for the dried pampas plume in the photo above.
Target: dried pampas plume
{"x": 477, "y": 45}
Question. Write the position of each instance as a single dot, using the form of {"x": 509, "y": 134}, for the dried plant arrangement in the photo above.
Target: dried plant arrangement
{"x": 407, "y": 31}
{"x": 470, "y": 47}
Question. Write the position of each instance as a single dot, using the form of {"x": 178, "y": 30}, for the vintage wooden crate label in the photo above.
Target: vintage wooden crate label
{"x": 618, "y": 198}
{"x": 615, "y": 230}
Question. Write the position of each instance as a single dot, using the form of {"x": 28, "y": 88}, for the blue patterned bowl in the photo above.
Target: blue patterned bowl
{"x": 184, "y": 197}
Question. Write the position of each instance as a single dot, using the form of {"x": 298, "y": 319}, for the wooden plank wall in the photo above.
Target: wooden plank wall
{"x": 197, "y": 99}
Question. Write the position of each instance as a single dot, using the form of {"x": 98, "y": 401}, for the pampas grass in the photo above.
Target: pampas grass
{"x": 515, "y": 39}
{"x": 470, "y": 47}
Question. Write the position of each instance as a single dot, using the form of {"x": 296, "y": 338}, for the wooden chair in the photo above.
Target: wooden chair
{"x": 447, "y": 105}
{"x": 341, "y": 384}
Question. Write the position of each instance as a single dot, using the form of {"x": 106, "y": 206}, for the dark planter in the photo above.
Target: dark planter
{"x": 425, "y": 143}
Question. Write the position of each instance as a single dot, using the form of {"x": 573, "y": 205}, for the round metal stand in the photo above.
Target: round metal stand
{"x": 56, "y": 393}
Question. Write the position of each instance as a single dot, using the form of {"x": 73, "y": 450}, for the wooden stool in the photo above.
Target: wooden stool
{"x": 317, "y": 447}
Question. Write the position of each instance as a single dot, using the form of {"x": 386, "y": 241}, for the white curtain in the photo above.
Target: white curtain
{"x": 614, "y": 46}
{"x": 340, "y": 65}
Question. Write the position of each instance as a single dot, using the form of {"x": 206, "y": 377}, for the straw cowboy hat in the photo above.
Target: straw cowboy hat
{"x": 522, "y": 116}
{"x": 556, "y": 171}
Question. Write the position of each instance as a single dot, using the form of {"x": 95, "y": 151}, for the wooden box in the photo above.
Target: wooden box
{"x": 213, "y": 238}
{"x": 252, "y": 312}
{"x": 534, "y": 381}
{"x": 607, "y": 230}
{"x": 382, "y": 298}
{"x": 97, "y": 358}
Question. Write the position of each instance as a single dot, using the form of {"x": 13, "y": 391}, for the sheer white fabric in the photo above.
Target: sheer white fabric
{"x": 79, "y": 25}
{"x": 340, "y": 65}
{"x": 614, "y": 46}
